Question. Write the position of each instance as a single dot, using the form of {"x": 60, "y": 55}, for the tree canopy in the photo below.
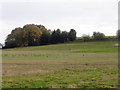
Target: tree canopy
{"x": 72, "y": 35}
{"x": 98, "y": 36}
{"x": 33, "y": 35}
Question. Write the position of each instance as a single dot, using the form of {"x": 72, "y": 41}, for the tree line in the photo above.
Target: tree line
{"x": 34, "y": 35}
{"x": 96, "y": 36}
{"x": 101, "y": 36}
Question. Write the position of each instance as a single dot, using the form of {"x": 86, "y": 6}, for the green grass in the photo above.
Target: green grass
{"x": 70, "y": 46}
{"x": 70, "y": 65}
{"x": 92, "y": 37}
{"x": 63, "y": 79}
{"x": 104, "y": 50}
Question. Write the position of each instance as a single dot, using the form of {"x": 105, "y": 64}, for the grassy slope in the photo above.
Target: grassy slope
{"x": 77, "y": 64}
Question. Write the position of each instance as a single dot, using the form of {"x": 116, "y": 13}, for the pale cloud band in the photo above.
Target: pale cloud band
{"x": 85, "y": 16}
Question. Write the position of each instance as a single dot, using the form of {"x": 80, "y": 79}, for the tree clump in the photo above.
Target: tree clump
{"x": 98, "y": 36}
{"x": 34, "y": 35}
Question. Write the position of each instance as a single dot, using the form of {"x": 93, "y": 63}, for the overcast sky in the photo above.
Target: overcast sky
{"x": 85, "y": 16}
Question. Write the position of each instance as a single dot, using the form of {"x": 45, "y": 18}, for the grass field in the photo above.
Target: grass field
{"x": 69, "y": 65}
